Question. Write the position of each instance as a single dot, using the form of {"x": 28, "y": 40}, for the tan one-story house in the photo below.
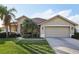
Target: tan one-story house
{"x": 56, "y": 26}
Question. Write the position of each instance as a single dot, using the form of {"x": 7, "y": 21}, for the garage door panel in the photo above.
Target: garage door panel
{"x": 57, "y": 31}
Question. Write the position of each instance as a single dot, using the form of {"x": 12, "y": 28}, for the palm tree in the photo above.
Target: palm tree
{"x": 6, "y": 15}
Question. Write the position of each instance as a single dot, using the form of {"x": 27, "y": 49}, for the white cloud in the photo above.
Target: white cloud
{"x": 75, "y": 18}
{"x": 50, "y": 13}
{"x": 46, "y": 14}
{"x": 65, "y": 13}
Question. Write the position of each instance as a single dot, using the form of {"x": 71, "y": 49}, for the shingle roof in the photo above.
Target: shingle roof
{"x": 38, "y": 20}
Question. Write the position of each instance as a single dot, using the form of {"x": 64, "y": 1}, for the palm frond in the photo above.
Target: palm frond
{"x": 12, "y": 10}
{"x": 13, "y": 15}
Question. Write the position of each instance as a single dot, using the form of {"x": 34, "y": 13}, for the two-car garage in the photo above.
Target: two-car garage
{"x": 57, "y": 31}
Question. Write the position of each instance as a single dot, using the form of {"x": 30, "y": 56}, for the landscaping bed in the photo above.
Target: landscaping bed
{"x": 26, "y": 46}
{"x": 76, "y": 36}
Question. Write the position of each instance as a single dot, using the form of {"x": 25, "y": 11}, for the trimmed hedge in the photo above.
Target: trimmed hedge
{"x": 12, "y": 35}
{"x": 30, "y": 35}
{"x": 76, "y": 35}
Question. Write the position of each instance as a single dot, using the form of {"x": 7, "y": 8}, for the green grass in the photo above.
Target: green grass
{"x": 9, "y": 47}
{"x": 14, "y": 46}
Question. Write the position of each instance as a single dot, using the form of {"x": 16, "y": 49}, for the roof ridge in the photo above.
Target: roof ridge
{"x": 21, "y": 17}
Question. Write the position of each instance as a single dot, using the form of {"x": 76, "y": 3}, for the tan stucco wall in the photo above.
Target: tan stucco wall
{"x": 20, "y": 21}
{"x": 14, "y": 28}
{"x": 56, "y": 22}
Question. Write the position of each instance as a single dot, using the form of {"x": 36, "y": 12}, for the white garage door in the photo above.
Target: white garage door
{"x": 53, "y": 31}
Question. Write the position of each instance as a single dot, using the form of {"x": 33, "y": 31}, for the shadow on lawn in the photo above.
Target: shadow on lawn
{"x": 2, "y": 42}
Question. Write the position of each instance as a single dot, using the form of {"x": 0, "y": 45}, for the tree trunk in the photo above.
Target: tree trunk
{"x": 32, "y": 32}
{"x": 6, "y": 27}
{"x": 10, "y": 29}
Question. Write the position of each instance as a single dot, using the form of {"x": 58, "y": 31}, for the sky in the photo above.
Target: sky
{"x": 46, "y": 11}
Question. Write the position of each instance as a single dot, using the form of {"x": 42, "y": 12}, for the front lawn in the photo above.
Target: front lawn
{"x": 9, "y": 47}
{"x": 25, "y": 46}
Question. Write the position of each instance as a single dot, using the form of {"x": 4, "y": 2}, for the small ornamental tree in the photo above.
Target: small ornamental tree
{"x": 29, "y": 28}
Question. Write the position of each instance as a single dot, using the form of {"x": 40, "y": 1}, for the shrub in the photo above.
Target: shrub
{"x": 18, "y": 35}
{"x": 76, "y": 35}
{"x": 12, "y": 35}
{"x": 2, "y": 35}
{"x": 0, "y": 29}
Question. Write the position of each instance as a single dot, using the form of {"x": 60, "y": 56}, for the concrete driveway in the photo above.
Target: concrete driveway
{"x": 64, "y": 45}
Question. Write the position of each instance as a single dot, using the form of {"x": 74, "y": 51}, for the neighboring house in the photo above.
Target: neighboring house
{"x": 57, "y": 26}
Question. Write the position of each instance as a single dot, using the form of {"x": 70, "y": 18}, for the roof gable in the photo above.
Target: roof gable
{"x": 21, "y": 17}
{"x": 61, "y": 18}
